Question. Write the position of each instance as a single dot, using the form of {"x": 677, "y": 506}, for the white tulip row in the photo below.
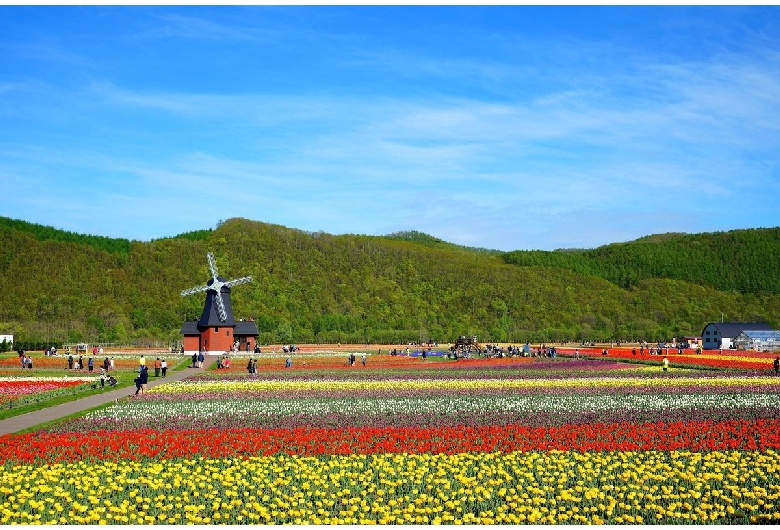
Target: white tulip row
{"x": 160, "y": 410}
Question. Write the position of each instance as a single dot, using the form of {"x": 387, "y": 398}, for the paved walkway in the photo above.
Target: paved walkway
{"x": 31, "y": 419}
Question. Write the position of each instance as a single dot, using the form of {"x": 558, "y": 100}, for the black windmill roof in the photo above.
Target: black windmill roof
{"x": 210, "y": 315}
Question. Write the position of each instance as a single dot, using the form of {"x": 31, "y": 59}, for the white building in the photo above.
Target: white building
{"x": 8, "y": 338}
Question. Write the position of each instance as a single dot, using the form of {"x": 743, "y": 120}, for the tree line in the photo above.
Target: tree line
{"x": 743, "y": 261}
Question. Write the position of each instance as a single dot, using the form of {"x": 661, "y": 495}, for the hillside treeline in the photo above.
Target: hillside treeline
{"x": 744, "y": 261}
{"x": 320, "y": 288}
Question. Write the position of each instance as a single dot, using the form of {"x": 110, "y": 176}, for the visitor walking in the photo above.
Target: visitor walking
{"x": 666, "y": 363}
{"x": 164, "y": 367}
{"x": 144, "y": 378}
{"x": 137, "y": 382}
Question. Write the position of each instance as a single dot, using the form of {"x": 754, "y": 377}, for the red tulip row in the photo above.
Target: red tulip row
{"x": 695, "y": 436}
{"x": 10, "y": 390}
{"x": 728, "y": 360}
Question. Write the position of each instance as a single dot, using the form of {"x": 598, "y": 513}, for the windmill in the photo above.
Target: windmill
{"x": 217, "y": 330}
{"x": 217, "y": 286}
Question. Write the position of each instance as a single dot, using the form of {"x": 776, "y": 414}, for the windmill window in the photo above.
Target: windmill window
{"x": 227, "y": 332}
{"x": 216, "y": 329}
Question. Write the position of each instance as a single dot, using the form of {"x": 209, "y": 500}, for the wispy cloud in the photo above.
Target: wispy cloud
{"x": 47, "y": 51}
{"x": 193, "y": 27}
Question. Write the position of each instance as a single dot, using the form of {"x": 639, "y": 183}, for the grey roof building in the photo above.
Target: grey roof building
{"x": 721, "y": 334}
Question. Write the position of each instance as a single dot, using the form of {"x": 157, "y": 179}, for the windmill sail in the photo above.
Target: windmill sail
{"x": 215, "y": 302}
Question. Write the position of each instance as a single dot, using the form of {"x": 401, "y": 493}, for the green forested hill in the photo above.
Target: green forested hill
{"x": 745, "y": 261}
{"x": 316, "y": 287}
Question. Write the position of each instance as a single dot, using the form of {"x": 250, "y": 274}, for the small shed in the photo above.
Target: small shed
{"x": 690, "y": 342}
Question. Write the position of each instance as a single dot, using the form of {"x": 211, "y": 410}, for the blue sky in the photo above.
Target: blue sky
{"x": 501, "y": 127}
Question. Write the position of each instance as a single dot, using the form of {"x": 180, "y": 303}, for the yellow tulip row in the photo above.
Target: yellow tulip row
{"x": 468, "y": 488}
{"x": 481, "y": 384}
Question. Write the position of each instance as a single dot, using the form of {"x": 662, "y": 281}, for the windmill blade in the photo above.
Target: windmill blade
{"x": 238, "y": 281}
{"x": 212, "y": 265}
{"x": 194, "y": 290}
{"x": 220, "y": 306}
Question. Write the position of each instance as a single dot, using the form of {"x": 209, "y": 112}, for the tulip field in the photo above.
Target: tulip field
{"x": 411, "y": 441}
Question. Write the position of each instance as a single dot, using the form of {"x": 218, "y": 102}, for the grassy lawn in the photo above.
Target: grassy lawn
{"x": 32, "y": 402}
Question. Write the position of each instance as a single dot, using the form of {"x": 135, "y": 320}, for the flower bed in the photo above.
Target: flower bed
{"x": 729, "y": 359}
{"x": 403, "y": 440}
{"x": 12, "y": 389}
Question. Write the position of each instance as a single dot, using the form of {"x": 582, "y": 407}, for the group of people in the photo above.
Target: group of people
{"x": 106, "y": 377}
{"x": 659, "y": 350}
{"x": 78, "y": 364}
{"x": 198, "y": 359}
{"x": 351, "y": 359}
{"x": 25, "y": 359}
{"x": 160, "y": 370}
{"x": 160, "y": 367}
{"x": 223, "y": 362}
